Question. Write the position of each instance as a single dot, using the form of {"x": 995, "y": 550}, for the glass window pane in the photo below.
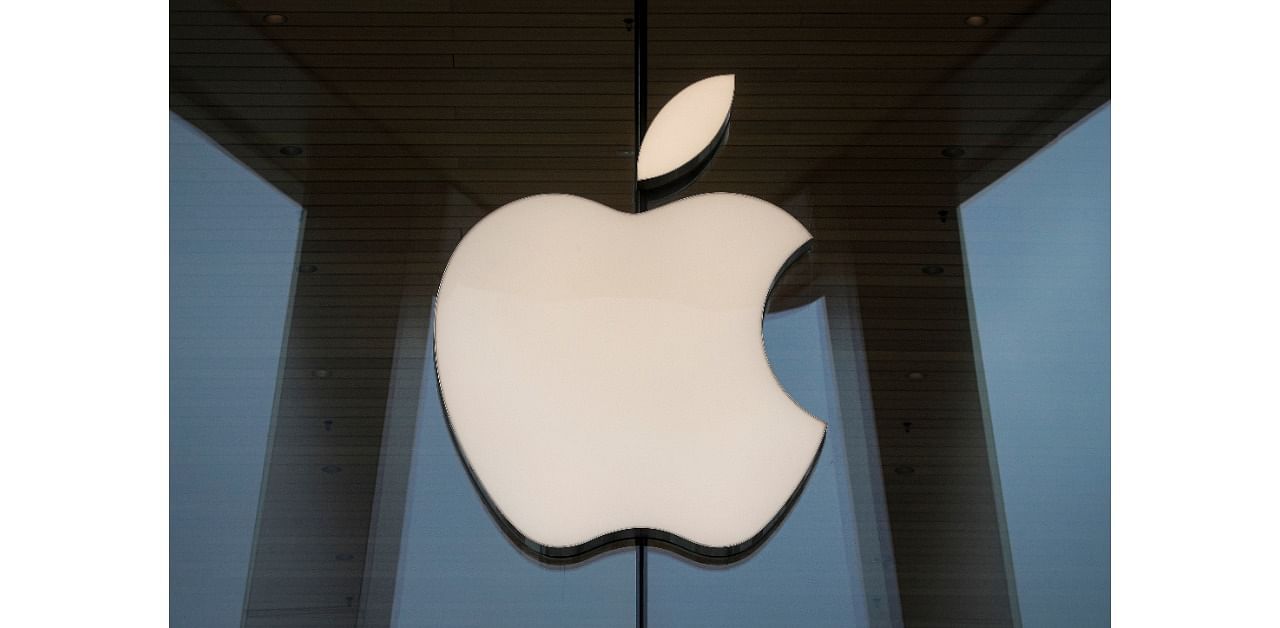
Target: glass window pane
{"x": 1037, "y": 246}
{"x": 315, "y": 481}
{"x": 232, "y": 253}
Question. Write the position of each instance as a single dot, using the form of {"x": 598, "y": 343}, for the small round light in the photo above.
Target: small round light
{"x": 953, "y": 152}
{"x": 626, "y": 153}
{"x": 931, "y": 270}
{"x": 344, "y": 557}
{"x": 331, "y": 469}
{"x": 320, "y": 373}
{"x": 976, "y": 20}
{"x": 308, "y": 268}
{"x": 904, "y": 469}
{"x": 290, "y": 151}
{"x": 915, "y": 376}
{"x": 274, "y": 19}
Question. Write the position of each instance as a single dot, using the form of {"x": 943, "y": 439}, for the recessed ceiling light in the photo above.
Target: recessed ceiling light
{"x": 931, "y": 270}
{"x": 915, "y": 375}
{"x": 274, "y": 19}
{"x": 976, "y": 20}
{"x": 953, "y": 152}
{"x": 290, "y": 151}
{"x": 331, "y": 469}
{"x": 626, "y": 153}
{"x": 320, "y": 373}
{"x": 904, "y": 469}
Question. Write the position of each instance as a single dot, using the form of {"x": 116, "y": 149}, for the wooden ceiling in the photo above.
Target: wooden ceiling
{"x": 870, "y": 121}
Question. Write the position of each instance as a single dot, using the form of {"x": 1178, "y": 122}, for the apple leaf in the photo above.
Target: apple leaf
{"x": 685, "y": 127}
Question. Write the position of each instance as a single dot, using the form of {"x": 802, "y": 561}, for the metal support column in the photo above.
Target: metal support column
{"x": 641, "y": 39}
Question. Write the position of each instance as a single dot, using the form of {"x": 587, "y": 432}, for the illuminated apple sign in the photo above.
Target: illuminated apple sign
{"x": 604, "y": 374}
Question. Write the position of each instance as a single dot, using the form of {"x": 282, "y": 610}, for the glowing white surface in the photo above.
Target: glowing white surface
{"x": 605, "y": 371}
{"x": 686, "y": 125}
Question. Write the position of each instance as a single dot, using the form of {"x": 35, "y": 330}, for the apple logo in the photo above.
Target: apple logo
{"x": 603, "y": 373}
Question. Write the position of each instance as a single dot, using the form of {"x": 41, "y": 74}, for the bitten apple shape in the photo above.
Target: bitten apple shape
{"x": 604, "y": 374}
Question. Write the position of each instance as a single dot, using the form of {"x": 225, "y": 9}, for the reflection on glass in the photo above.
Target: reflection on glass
{"x": 231, "y": 260}
{"x": 1037, "y": 249}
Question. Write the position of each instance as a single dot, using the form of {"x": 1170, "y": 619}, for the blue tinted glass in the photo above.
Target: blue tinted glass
{"x": 1037, "y": 246}
{"x": 232, "y": 246}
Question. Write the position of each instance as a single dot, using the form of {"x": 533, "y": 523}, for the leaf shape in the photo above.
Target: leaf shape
{"x": 685, "y": 127}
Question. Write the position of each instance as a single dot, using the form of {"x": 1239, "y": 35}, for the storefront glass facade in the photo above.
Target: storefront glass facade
{"x": 949, "y": 322}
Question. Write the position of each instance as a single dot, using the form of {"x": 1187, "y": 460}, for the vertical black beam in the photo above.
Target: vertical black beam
{"x": 642, "y": 601}
{"x": 641, "y": 87}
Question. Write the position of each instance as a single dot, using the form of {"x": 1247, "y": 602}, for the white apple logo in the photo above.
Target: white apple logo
{"x": 604, "y": 373}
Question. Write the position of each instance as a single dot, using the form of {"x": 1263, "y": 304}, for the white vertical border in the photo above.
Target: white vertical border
{"x": 1194, "y": 332}
{"x": 85, "y": 332}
